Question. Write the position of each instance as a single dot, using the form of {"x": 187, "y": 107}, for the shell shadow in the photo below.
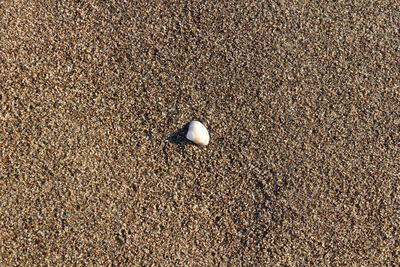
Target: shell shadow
{"x": 179, "y": 136}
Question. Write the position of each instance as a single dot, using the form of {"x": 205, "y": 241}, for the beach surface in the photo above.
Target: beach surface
{"x": 301, "y": 100}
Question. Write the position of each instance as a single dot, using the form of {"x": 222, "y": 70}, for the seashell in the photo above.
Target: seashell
{"x": 198, "y": 133}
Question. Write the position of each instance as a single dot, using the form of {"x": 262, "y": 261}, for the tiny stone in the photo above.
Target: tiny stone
{"x": 198, "y": 133}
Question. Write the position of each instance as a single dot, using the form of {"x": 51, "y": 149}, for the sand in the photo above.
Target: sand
{"x": 301, "y": 100}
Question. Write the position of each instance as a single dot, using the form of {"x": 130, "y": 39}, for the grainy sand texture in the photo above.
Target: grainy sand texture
{"x": 301, "y": 99}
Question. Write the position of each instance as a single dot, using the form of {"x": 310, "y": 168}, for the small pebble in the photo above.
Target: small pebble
{"x": 198, "y": 133}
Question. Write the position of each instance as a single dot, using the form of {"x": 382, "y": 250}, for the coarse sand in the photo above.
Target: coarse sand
{"x": 301, "y": 99}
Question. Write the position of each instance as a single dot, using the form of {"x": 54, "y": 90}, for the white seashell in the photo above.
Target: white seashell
{"x": 198, "y": 133}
